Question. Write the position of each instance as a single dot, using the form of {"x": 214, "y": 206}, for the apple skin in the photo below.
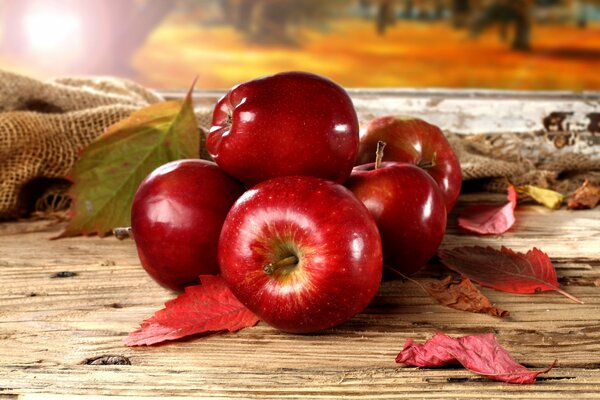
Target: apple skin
{"x": 292, "y": 123}
{"x": 176, "y": 220}
{"x": 333, "y": 236}
{"x": 409, "y": 209}
{"x": 414, "y": 141}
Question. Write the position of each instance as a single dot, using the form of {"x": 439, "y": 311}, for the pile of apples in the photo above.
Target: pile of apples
{"x": 294, "y": 213}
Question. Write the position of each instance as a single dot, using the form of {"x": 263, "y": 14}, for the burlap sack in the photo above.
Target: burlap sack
{"x": 45, "y": 125}
{"x": 532, "y": 159}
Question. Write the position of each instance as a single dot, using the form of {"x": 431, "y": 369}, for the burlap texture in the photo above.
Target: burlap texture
{"x": 204, "y": 117}
{"x": 45, "y": 125}
{"x": 523, "y": 159}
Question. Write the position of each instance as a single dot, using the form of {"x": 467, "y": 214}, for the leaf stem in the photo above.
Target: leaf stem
{"x": 568, "y": 295}
{"x": 394, "y": 270}
{"x": 407, "y": 278}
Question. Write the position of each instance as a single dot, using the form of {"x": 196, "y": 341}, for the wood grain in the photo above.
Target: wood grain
{"x": 53, "y": 328}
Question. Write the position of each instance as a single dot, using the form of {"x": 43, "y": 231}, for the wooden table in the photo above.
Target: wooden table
{"x": 62, "y": 337}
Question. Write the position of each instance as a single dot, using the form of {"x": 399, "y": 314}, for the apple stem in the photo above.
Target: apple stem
{"x": 284, "y": 262}
{"x": 429, "y": 164}
{"x": 379, "y": 153}
{"x": 123, "y": 232}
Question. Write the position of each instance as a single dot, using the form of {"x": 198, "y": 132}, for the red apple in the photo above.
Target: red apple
{"x": 415, "y": 141}
{"x": 302, "y": 253}
{"x": 292, "y": 123}
{"x": 409, "y": 209}
{"x": 176, "y": 220}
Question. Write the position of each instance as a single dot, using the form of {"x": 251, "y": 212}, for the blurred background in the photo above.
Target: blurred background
{"x": 504, "y": 44}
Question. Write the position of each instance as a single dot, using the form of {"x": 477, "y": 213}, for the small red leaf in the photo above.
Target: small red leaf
{"x": 478, "y": 353}
{"x": 586, "y": 196}
{"x": 461, "y": 295}
{"x": 489, "y": 219}
{"x": 504, "y": 269}
{"x": 210, "y": 307}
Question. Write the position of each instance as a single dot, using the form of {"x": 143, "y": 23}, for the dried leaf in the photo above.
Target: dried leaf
{"x": 461, "y": 295}
{"x": 111, "y": 168}
{"x": 210, "y": 307}
{"x": 586, "y": 196}
{"x": 481, "y": 354}
{"x": 504, "y": 269}
{"x": 489, "y": 219}
{"x": 546, "y": 197}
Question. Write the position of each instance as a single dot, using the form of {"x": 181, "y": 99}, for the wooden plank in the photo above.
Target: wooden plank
{"x": 564, "y": 234}
{"x": 466, "y": 111}
{"x": 50, "y": 327}
{"x": 548, "y": 125}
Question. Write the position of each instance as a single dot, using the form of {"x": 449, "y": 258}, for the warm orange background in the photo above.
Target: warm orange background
{"x": 192, "y": 39}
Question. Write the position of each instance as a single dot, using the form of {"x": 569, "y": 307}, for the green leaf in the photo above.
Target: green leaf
{"x": 546, "y": 197}
{"x": 111, "y": 168}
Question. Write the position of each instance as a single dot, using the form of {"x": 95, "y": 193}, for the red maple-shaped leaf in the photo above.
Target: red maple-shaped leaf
{"x": 489, "y": 219}
{"x": 210, "y": 307}
{"x": 505, "y": 269}
{"x": 478, "y": 353}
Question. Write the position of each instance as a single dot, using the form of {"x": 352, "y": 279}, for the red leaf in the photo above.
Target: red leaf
{"x": 489, "y": 219}
{"x": 478, "y": 353}
{"x": 505, "y": 269}
{"x": 210, "y": 307}
{"x": 461, "y": 295}
{"x": 586, "y": 196}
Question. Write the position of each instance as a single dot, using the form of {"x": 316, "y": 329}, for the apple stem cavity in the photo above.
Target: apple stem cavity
{"x": 379, "y": 153}
{"x": 429, "y": 164}
{"x": 290, "y": 261}
{"x": 124, "y": 232}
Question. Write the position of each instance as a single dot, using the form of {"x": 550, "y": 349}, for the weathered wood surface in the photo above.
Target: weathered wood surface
{"x": 468, "y": 111}
{"x": 548, "y": 124}
{"x": 54, "y": 332}
{"x": 52, "y": 328}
